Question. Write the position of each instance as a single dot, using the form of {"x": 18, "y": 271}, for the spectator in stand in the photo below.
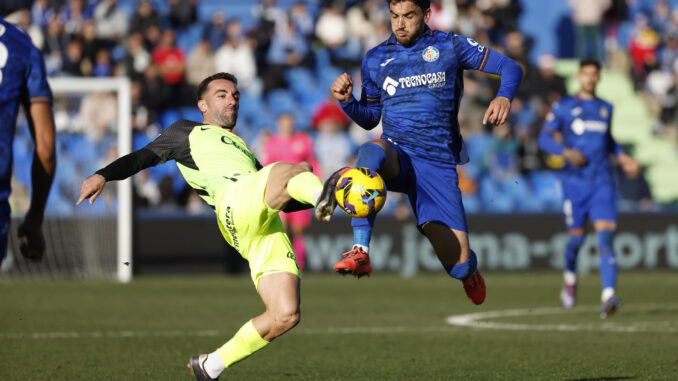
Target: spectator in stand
{"x": 183, "y": 13}
{"x": 201, "y": 63}
{"x": 643, "y": 50}
{"x": 154, "y": 91}
{"x": 54, "y": 45}
{"x": 74, "y": 16}
{"x": 91, "y": 44}
{"x": 270, "y": 18}
{"x": 292, "y": 147}
{"x": 303, "y": 20}
{"x": 145, "y": 21}
{"x": 111, "y": 22}
{"x": 551, "y": 86}
{"x": 137, "y": 59}
{"x": 41, "y": 13}
{"x": 72, "y": 59}
{"x": 288, "y": 49}
{"x": 102, "y": 66}
{"x": 236, "y": 56}
{"x": 215, "y": 30}
{"x": 588, "y": 18}
{"x": 172, "y": 65}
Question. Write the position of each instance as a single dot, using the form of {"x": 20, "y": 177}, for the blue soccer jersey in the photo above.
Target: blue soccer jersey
{"x": 23, "y": 80}
{"x": 585, "y": 125}
{"x": 417, "y": 89}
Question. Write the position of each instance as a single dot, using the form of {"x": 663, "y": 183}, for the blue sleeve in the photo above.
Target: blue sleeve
{"x": 478, "y": 57}
{"x": 367, "y": 111}
{"x": 552, "y": 124}
{"x": 36, "y": 81}
{"x": 511, "y": 73}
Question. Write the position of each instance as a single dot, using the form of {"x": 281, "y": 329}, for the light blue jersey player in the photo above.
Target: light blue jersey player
{"x": 578, "y": 128}
{"x": 23, "y": 82}
{"x": 413, "y": 82}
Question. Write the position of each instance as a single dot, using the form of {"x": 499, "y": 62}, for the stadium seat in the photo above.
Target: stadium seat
{"x": 281, "y": 101}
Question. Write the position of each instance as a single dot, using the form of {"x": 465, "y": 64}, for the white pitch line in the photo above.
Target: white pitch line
{"x": 478, "y": 320}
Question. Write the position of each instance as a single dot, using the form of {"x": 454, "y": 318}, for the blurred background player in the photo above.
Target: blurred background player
{"x": 579, "y": 129}
{"x": 292, "y": 146}
{"x": 23, "y": 81}
{"x": 246, "y": 198}
{"x": 413, "y": 82}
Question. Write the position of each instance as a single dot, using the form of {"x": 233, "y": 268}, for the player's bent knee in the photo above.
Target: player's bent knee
{"x": 285, "y": 322}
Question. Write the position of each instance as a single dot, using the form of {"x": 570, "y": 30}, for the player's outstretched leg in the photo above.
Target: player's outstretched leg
{"x": 568, "y": 293}
{"x": 280, "y": 293}
{"x": 326, "y": 202}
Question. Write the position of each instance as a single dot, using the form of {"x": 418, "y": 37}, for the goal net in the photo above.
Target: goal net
{"x": 93, "y": 122}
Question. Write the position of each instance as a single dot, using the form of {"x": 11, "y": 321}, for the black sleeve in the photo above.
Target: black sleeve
{"x": 128, "y": 165}
{"x": 295, "y": 206}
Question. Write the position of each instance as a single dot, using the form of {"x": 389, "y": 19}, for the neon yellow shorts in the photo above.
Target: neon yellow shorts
{"x": 253, "y": 228}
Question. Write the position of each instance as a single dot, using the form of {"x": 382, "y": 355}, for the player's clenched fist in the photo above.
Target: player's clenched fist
{"x": 91, "y": 188}
{"x": 342, "y": 88}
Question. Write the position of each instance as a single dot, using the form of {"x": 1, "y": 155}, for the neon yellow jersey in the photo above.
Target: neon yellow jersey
{"x": 209, "y": 157}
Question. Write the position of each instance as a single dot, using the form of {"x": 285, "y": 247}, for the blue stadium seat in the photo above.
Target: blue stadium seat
{"x": 546, "y": 187}
{"x": 301, "y": 80}
{"x": 191, "y": 113}
{"x": 167, "y": 117}
{"x": 493, "y": 198}
{"x": 281, "y": 101}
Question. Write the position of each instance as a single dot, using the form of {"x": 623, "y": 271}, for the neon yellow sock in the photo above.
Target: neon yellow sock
{"x": 245, "y": 342}
{"x": 305, "y": 187}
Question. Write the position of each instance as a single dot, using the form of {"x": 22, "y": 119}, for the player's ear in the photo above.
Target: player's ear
{"x": 202, "y": 105}
{"x": 427, "y": 15}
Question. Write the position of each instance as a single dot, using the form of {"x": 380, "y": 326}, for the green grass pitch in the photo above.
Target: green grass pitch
{"x": 378, "y": 328}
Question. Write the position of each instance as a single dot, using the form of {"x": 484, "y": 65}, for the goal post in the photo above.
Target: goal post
{"x": 90, "y": 242}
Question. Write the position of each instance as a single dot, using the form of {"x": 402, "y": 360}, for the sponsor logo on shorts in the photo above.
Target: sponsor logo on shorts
{"x": 230, "y": 227}
{"x": 293, "y": 257}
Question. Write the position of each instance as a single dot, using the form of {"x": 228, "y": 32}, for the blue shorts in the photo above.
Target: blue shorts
{"x": 4, "y": 227}
{"x": 597, "y": 202}
{"x": 432, "y": 188}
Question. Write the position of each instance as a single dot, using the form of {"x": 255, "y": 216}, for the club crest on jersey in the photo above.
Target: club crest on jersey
{"x": 603, "y": 113}
{"x": 431, "y": 54}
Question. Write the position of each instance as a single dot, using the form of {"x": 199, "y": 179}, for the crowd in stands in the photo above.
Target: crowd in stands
{"x": 285, "y": 55}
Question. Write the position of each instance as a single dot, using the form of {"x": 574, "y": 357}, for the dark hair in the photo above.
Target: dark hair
{"x": 589, "y": 62}
{"x": 423, "y": 4}
{"x": 202, "y": 87}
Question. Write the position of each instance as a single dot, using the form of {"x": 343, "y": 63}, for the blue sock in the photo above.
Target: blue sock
{"x": 369, "y": 156}
{"x": 362, "y": 230}
{"x": 608, "y": 265}
{"x": 571, "y": 251}
{"x": 463, "y": 270}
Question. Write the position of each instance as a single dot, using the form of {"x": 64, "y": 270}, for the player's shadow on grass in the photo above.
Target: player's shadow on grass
{"x": 602, "y": 378}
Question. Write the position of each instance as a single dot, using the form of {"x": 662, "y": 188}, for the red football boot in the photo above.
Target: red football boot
{"x": 475, "y": 287}
{"x": 355, "y": 262}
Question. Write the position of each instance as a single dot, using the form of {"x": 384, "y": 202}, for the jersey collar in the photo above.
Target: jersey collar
{"x": 392, "y": 38}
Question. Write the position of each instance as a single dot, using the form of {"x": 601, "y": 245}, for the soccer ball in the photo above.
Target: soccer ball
{"x": 360, "y": 192}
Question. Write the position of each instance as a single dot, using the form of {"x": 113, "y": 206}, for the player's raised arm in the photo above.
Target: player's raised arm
{"x": 120, "y": 169}
{"x": 366, "y": 112}
{"x": 478, "y": 57}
